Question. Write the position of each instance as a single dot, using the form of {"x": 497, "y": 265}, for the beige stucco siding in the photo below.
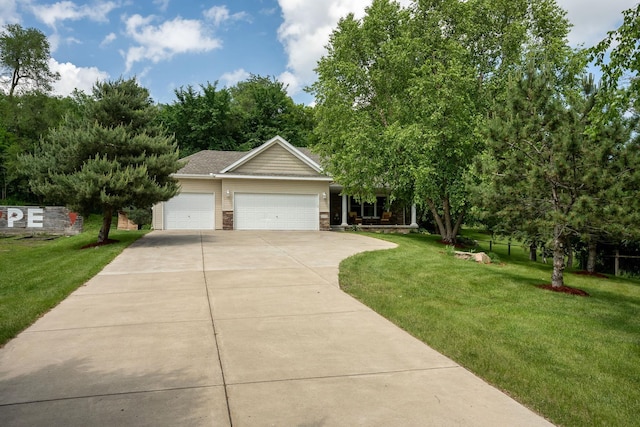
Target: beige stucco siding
{"x": 276, "y": 160}
{"x": 275, "y": 187}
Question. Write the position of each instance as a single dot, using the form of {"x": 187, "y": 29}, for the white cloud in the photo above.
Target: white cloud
{"x": 162, "y": 4}
{"x": 109, "y": 38}
{"x": 291, "y": 82}
{"x": 67, "y": 10}
{"x": 73, "y": 77}
{"x": 592, "y": 19}
{"x": 8, "y": 12}
{"x": 162, "y": 42}
{"x": 221, "y": 14}
{"x": 230, "y": 79}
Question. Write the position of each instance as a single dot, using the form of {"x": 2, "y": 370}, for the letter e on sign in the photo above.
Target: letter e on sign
{"x": 13, "y": 215}
{"x": 34, "y": 215}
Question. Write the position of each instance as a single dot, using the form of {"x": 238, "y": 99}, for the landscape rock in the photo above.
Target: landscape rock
{"x": 480, "y": 257}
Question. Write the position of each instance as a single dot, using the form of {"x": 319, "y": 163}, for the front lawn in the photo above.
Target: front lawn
{"x": 575, "y": 360}
{"x": 38, "y": 272}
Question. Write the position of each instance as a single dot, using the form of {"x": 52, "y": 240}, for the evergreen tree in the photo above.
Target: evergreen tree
{"x": 547, "y": 174}
{"x": 112, "y": 158}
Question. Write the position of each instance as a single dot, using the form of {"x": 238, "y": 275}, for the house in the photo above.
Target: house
{"x": 273, "y": 187}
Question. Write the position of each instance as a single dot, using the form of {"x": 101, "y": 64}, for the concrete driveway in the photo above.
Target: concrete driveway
{"x": 234, "y": 328}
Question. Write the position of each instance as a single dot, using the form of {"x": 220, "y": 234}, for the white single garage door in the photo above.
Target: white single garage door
{"x": 190, "y": 211}
{"x": 276, "y": 212}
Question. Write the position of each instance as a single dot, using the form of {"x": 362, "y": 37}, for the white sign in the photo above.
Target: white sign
{"x": 35, "y": 217}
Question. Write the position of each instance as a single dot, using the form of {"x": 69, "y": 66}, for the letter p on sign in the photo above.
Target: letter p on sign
{"x": 13, "y": 215}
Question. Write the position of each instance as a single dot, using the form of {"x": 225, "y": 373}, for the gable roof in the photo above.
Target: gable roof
{"x": 212, "y": 162}
{"x": 264, "y": 147}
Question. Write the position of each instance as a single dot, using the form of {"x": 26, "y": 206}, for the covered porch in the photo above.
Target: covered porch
{"x": 347, "y": 212}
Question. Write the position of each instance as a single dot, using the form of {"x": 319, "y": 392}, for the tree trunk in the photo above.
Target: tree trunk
{"x": 447, "y": 230}
{"x": 557, "y": 278}
{"x": 570, "y": 258}
{"x": 107, "y": 217}
{"x": 533, "y": 252}
{"x": 591, "y": 259}
{"x": 437, "y": 218}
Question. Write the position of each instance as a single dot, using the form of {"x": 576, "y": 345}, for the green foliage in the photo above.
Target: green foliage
{"x": 618, "y": 55}
{"x": 201, "y": 120}
{"x": 558, "y": 354}
{"x": 239, "y": 118}
{"x": 139, "y": 216}
{"x": 24, "y": 120}
{"x": 546, "y": 179}
{"x": 114, "y": 157}
{"x": 24, "y": 59}
{"x": 401, "y": 94}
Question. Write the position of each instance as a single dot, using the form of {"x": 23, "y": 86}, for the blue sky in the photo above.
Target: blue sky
{"x": 173, "y": 43}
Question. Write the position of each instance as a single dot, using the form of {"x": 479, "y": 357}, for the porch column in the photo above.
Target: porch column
{"x": 414, "y": 222}
{"x": 344, "y": 210}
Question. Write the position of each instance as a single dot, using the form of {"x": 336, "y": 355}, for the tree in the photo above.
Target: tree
{"x": 263, "y": 109}
{"x": 114, "y": 157}
{"x": 546, "y": 169}
{"x": 402, "y": 92}
{"x": 25, "y": 119}
{"x": 24, "y": 59}
{"x": 201, "y": 120}
{"x": 618, "y": 55}
{"x": 238, "y": 118}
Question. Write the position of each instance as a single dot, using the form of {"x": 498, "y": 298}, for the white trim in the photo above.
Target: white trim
{"x": 275, "y": 140}
{"x": 193, "y": 176}
{"x": 276, "y": 177}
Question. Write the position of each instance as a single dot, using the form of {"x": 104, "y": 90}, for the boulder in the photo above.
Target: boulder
{"x": 480, "y": 257}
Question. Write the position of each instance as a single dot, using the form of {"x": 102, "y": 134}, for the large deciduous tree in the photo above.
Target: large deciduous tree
{"x": 201, "y": 119}
{"x": 237, "y": 118}
{"x": 113, "y": 157}
{"x": 401, "y": 94}
{"x": 24, "y": 59}
{"x": 262, "y": 108}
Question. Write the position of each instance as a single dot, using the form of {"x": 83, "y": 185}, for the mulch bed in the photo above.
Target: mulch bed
{"x": 96, "y": 244}
{"x": 565, "y": 290}
{"x": 594, "y": 274}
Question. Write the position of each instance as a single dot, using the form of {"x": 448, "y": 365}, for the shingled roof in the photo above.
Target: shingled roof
{"x": 212, "y": 162}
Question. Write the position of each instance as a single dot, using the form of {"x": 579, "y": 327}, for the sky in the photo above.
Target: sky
{"x": 168, "y": 44}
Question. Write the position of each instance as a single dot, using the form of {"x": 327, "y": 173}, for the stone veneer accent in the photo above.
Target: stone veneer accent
{"x": 227, "y": 220}
{"x": 325, "y": 223}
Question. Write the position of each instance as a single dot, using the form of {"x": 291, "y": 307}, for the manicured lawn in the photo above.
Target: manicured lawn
{"x": 36, "y": 274}
{"x": 575, "y": 360}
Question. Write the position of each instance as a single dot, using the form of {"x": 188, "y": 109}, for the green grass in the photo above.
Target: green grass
{"x": 574, "y": 360}
{"x": 36, "y": 274}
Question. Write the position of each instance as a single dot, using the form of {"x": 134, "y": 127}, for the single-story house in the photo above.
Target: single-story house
{"x": 273, "y": 187}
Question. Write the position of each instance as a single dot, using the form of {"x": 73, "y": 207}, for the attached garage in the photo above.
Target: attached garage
{"x": 276, "y": 211}
{"x": 273, "y": 187}
{"x": 190, "y": 211}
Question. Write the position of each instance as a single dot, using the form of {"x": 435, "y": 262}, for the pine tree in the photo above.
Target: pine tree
{"x": 538, "y": 158}
{"x": 112, "y": 158}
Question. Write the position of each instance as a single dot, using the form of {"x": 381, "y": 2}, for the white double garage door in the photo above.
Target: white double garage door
{"x": 252, "y": 211}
